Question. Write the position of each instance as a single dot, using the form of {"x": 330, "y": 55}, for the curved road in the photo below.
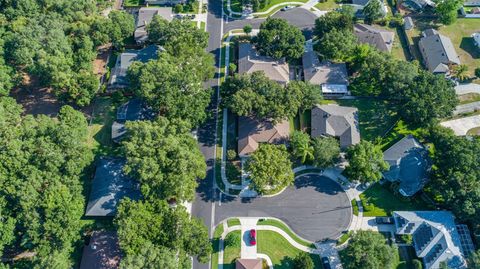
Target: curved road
{"x": 316, "y": 208}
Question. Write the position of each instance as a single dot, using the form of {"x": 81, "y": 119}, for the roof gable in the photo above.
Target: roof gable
{"x": 252, "y": 132}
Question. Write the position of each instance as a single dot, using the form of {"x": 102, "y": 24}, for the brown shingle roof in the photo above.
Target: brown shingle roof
{"x": 251, "y": 132}
{"x": 103, "y": 252}
{"x": 375, "y": 37}
{"x": 248, "y": 264}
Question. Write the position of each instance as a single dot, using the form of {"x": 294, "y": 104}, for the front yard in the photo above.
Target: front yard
{"x": 378, "y": 200}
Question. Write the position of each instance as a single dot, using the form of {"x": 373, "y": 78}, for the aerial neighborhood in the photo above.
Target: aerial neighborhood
{"x": 231, "y": 134}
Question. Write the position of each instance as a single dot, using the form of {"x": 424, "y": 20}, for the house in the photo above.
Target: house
{"x": 248, "y": 264}
{"x": 118, "y": 77}
{"x": 336, "y": 121}
{"x": 250, "y": 61}
{"x": 109, "y": 186}
{"x": 331, "y": 77}
{"x": 408, "y": 23}
{"x": 145, "y": 16}
{"x": 252, "y": 132}
{"x": 435, "y": 237}
{"x": 132, "y": 110}
{"x": 476, "y": 39}
{"x": 358, "y": 6}
{"x": 438, "y": 52}
{"x": 416, "y": 5}
{"x": 375, "y": 37}
{"x": 409, "y": 165}
{"x": 102, "y": 252}
{"x": 475, "y": 10}
{"x": 164, "y": 2}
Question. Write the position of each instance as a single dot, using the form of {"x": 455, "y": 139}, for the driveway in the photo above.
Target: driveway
{"x": 461, "y": 126}
{"x": 316, "y": 208}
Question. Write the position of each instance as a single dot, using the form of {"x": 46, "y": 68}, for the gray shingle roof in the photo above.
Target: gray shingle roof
{"x": 336, "y": 121}
{"x": 437, "y": 51}
{"x": 109, "y": 186}
{"x": 103, "y": 251}
{"x": 118, "y": 78}
{"x": 319, "y": 73}
{"x": 435, "y": 237}
{"x": 145, "y": 16}
{"x": 250, "y": 61}
{"x": 132, "y": 110}
{"x": 409, "y": 164}
{"x": 375, "y": 37}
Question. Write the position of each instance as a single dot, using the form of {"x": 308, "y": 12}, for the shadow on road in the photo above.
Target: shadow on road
{"x": 316, "y": 182}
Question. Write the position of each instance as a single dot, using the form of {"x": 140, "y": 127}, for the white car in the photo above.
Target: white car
{"x": 285, "y": 8}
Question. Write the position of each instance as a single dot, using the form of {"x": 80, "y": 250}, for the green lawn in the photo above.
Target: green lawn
{"x": 275, "y": 2}
{"x": 327, "y": 5}
{"x": 231, "y": 253}
{"x": 380, "y": 201}
{"x": 132, "y": 3}
{"x": 100, "y": 127}
{"x": 233, "y": 222}
{"x": 235, "y": 5}
{"x": 302, "y": 122}
{"x": 376, "y": 117}
{"x": 216, "y": 237}
{"x": 285, "y": 228}
{"x": 354, "y": 207}
{"x": 398, "y": 132}
{"x": 280, "y": 251}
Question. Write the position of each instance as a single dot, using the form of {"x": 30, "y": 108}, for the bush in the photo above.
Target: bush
{"x": 231, "y": 154}
{"x": 232, "y": 239}
{"x": 232, "y": 68}
{"x": 477, "y": 72}
{"x": 232, "y": 172}
{"x": 178, "y": 8}
{"x": 303, "y": 261}
{"x": 407, "y": 238}
{"x": 417, "y": 264}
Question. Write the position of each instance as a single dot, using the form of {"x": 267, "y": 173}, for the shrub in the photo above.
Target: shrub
{"x": 477, "y": 72}
{"x": 232, "y": 239}
{"x": 303, "y": 261}
{"x": 231, "y": 154}
{"x": 417, "y": 264}
{"x": 178, "y": 8}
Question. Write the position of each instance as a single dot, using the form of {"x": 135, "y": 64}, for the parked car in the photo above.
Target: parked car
{"x": 253, "y": 235}
{"x": 326, "y": 263}
{"x": 285, "y": 8}
{"x": 384, "y": 220}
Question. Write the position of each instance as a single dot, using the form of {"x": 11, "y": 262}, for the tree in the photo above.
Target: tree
{"x": 123, "y": 26}
{"x": 41, "y": 199}
{"x": 178, "y": 8}
{"x": 373, "y": 11}
{"x": 477, "y": 72}
{"x": 447, "y": 10}
{"x": 233, "y": 239}
{"x": 255, "y": 95}
{"x": 417, "y": 264}
{"x": 303, "y": 261}
{"x": 325, "y": 151}
{"x": 332, "y": 20}
{"x": 368, "y": 250}
{"x": 461, "y": 72}
{"x": 365, "y": 162}
{"x": 430, "y": 97}
{"x": 301, "y": 146}
{"x": 279, "y": 39}
{"x": 155, "y": 223}
{"x": 164, "y": 157}
{"x": 173, "y": 85}
{"x": 302, "y": 95}
{"x": 151, "y": 257}
{"x": 474, "y": 259}
{"x": 337, "y": 45}
{"x": 247, "y": 29}
{"x": 269, "y": 168}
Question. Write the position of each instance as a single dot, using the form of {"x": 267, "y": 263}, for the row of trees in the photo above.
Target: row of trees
{"x": 157, "y": 231}
{"x": 256, "y": 95}
{"x": 420, "y": 96}
{"x": 55, "y": 43}
{"x": 320, "y": 151}
{"x": 41, "y": 201}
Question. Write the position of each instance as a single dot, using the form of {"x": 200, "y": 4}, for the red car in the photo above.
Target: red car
{"x": 253, "y": 240}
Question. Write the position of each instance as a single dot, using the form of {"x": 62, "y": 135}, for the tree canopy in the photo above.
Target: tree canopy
{"x": 278, "y": 39}
{"x": 164, "y": 157}
{"x": 54, "y": 43}
{"x": 326, "y": 151}
{"x": 447, "y": 10}
{"x": 332, "y": 20}
{"x": 369, "y": 250}
{"x": 270, "y": 168}
{"x": 41, "y": 198}
{"x": 255, "y": 95}
{"x": 154, "y": 227}
{"x": 373, "y": 11}
{"x": 301, "y": 146}
{"x": 173, "y": 85}
{"x": 337, "y": 45}
{"x": 152, "y": 257}
{"x": 365, "y": 162}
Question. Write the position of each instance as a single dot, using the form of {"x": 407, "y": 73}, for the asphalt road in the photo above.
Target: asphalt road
{"x": 316, "y": 208}
{"x": 204, "y": 205}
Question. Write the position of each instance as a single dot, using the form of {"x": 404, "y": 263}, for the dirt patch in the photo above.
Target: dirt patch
{"x": 100, "y": 63}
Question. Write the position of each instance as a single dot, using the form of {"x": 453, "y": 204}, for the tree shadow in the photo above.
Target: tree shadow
{"x": 318, "y": 183}
{"x": 286, "y": 262}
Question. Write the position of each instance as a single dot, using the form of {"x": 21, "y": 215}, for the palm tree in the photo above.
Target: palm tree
{"x": 304, "y": 151}
{"x": 460, "y": 72}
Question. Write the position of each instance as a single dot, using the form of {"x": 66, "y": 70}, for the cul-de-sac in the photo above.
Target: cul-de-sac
{"x": 239, "y": 134}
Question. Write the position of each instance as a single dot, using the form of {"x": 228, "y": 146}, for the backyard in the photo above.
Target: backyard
{"x": 460, "y": 33}
{"x": 327, "y": 5}
{"x": 280, "y": 251}
{"x": 376, "y": 117}
{"x": 378, "y": 200}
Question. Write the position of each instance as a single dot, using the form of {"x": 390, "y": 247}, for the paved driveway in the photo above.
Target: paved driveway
{"x": 315, "y": 208}
{"x": 462, "y": 125}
